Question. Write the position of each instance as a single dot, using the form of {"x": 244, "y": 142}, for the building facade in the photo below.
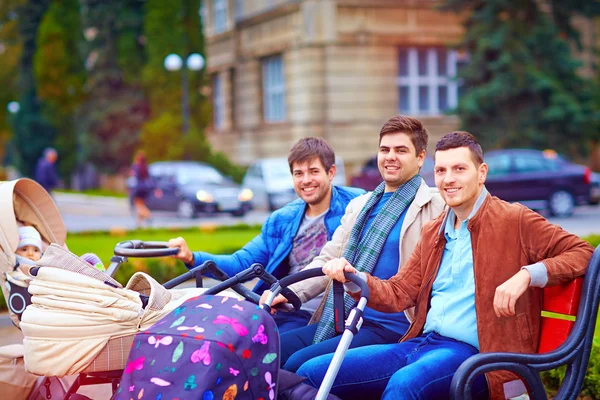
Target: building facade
{"x": 285, "y": 69}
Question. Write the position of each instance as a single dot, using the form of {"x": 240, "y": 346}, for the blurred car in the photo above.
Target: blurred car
{"x": 370, "y": 176}
{"x": 538, "y": 179}
{"x": 595, "y": 192}
{"x": 190, "y": 187}
{"x": 271, "y": 182}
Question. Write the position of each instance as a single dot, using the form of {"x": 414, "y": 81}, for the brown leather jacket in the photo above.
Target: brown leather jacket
{"x": 504, "y": 237}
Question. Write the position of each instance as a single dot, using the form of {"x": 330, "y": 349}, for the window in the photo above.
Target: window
{"x": 219, "y": 16}
{"x": 531, "y": 164}
{"x": 232, "y": 97}
{"x": 426, "y": 80}
{"x": 498, "y": 165}
{"x": 239, "y": 9}
{"x": 273, "y": 89}
{"x": 217, "y": 95}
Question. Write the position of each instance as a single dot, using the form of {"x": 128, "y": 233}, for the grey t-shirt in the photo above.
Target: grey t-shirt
{"x": 310, "y": 239}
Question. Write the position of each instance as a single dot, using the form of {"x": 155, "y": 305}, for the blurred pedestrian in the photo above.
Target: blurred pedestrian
{"x": 45, "y": 171}
{"x": 141, "y": 188}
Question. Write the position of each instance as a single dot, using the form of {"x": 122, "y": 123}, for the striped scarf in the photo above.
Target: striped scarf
{"x": 363, "y": 254}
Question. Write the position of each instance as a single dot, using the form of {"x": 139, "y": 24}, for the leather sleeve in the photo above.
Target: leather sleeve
{"x": 565, "y": 255}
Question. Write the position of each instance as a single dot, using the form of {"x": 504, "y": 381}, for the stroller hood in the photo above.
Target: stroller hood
{"x": 24, "y": 201}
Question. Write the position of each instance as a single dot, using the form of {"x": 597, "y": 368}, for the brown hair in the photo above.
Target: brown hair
{"x": 456, "y": 139}
{"x": 310, "y": 147}
{"x": 409, "y": 126}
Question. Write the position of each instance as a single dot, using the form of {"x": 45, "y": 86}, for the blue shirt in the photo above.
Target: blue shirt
{"x": 387, "y": 266}
{"x": 452, "y": 312}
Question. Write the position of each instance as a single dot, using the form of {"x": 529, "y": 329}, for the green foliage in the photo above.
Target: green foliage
{"x": 33, "y": 132}
{"x": 221, "y": 162}
{"x": 60, "y": 76}
{"x": 521, "y": 82}
{"x": 92, "y": 83}
{"x": 10, "y": 53}
{"x": 111, "y": 119}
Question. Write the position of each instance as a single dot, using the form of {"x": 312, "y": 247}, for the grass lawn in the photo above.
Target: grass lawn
{"x": 95, "y": 192}
{"x": 219, "y": 241}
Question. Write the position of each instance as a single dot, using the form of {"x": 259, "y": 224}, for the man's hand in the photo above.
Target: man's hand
{"x": 184, "y": 254}
{"x": 279, "y": 299}
{"x": 509, "y": 292}
{"x": 335, "y": 269}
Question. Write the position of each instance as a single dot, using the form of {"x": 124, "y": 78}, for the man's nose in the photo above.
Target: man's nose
{"x": 449, "y": 177}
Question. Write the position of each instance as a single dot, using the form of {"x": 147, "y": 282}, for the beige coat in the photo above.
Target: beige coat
{"x": 427, "y": 205}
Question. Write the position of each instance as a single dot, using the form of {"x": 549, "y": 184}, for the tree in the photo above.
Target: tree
{"x": 10, "y": 54}
{"x": 33, "y": 132}
{"x": 521, "y": 83}
{"x": 60, "y": 77}
{"x": 116, "y": 108}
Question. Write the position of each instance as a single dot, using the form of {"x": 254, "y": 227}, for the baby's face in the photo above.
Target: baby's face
{"x": 30, "y": 252}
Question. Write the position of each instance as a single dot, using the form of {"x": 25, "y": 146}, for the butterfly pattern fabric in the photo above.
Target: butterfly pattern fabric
{"x": 211, "y": 347}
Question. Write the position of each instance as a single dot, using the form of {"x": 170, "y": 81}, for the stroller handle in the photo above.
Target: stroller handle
{"x": 141, "y": 249}
{"x": 315, "y": 272}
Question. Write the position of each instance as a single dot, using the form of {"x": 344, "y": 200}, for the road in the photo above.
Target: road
{"x": 87, "y": 213}
{"x": 92, "y": 213}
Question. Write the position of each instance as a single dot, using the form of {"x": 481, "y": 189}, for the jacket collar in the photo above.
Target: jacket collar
{"x": 422, "y": 197}
{"x": 480, "y": 204}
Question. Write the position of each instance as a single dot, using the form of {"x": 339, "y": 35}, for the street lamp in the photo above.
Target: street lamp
{"x": 13, "y": 107}
{"x": 194, "y": 62}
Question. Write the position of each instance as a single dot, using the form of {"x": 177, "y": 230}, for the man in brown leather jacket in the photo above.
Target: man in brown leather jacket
{"x": 475, "y": 279}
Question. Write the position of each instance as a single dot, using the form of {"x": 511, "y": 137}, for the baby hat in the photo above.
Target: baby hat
{"x": 93, "y": 260}
{"x": 29, "y": 236}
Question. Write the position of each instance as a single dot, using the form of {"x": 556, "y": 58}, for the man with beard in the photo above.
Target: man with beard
{"x": 293, "y": 235}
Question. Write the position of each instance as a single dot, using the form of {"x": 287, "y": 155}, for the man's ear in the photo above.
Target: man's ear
{"x": 421, "y": 157}
{"x": 483, "y": 171}
{"x": 331, "y": 172}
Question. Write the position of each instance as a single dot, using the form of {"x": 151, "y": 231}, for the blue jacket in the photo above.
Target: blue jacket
{"x": 272, "y": 246}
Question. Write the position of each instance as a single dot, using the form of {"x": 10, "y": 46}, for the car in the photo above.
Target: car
{"x": 538, "y": 179}
{"x": 190, "y": 187}
{"x": 595, "y": 192}
{"x": 272, "y": 185}
{"x": 370, "y": 176}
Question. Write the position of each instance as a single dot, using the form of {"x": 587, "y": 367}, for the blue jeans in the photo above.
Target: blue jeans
{"x": 420, "y": 368}
{"x": 289, "y": 320}
{"x": 297, "y": 347}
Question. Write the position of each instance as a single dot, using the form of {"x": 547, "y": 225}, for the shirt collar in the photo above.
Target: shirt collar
{"x": 449, "y": 230}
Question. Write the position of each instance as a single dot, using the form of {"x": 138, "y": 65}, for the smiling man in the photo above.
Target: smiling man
{"x": 474, "y": 280}
{"x": 378, "y": 233}
{"x": 293, "y": 235}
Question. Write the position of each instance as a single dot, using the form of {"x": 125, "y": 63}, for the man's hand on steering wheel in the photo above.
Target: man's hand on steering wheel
{"x": 184, "y": 254}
